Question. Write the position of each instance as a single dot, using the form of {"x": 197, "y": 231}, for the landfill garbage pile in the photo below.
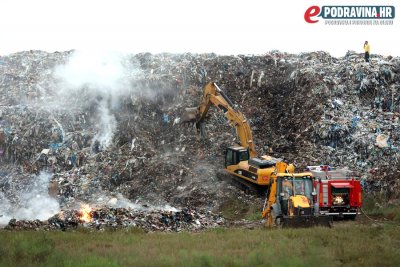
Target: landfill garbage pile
{"x": 111, "y": 218}
{"x": 117, "y": 133}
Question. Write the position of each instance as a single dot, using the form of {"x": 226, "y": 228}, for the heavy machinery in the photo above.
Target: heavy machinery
{"x": 290, "y": 201}
{"x": 263, "y": 172}
{"x": 241, "y": 160}
{"x": 339, "y": 192}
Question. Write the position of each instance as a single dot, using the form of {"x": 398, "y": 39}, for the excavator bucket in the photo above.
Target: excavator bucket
{"x": 306, "y": 221}
{"x": 189, "y": 115}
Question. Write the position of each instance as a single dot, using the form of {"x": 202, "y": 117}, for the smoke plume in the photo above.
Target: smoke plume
{"x": 101, "y": 77}
{"x": 30, "y": 202}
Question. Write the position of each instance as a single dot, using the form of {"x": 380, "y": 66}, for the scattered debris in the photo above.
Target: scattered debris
{"x": 109, "y": 218}
{"x": 116, "y": 144}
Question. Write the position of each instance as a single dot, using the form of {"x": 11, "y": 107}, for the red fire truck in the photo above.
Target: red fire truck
{"x": 338, "y": 191}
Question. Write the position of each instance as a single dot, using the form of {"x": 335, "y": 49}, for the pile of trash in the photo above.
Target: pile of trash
{"x": 112, "y": 218}
{"x": 113, "y": 126}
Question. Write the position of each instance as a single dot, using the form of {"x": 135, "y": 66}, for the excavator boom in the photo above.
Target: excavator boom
{"x": 251, "y": 171}
{"x": 213, "y": 95}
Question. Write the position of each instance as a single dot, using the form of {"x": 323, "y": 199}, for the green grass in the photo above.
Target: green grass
{"x": 348, "y": 244}
{"x": 236, "y": 209}
{"x": 360, "y": 243}
{"x": 379, "y": 207}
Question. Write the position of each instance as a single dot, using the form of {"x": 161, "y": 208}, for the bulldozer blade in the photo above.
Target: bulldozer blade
{"x": 306, "y": 221}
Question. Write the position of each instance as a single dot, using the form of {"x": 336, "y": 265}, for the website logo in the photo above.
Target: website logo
{"x": 313, "y": 13}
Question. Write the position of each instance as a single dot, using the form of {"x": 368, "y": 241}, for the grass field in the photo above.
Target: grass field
{"x": 348, "y": 244}
{"x": 364, "y": 242}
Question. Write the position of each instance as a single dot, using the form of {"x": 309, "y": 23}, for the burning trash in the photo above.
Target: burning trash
{"x": 106, "y": 218}
{"x": 85, "y": 213}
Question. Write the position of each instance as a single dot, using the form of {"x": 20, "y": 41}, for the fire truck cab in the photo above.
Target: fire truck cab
{"x": 339, "y": 193}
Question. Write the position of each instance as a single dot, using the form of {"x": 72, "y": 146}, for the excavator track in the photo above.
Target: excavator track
{"x": 248, "y": 187}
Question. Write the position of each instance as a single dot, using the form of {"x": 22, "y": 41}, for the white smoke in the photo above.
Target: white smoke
{"x": 102, "y": 77}
{"x": 33, "y": 203}
{"x": 107, "y": 124}
{"x": 102, "y": 72}
{"x": 5, "y": 207}
{"x": 119, "y": 201}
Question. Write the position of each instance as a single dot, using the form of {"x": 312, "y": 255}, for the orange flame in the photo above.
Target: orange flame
{"x": 85, "y": 213}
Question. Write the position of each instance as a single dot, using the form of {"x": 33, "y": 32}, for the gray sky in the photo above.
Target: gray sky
{"x": 223, "y": 27}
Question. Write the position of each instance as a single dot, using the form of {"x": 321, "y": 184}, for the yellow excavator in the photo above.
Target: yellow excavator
{"x": 265, "y": 173}
{"x": 240, "y": 160}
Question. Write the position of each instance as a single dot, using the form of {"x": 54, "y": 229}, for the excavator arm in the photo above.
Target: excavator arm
{"x": 213, "y": 95}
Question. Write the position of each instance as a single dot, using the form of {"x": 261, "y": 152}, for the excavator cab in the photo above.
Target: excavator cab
{"x": 236, "y": 154}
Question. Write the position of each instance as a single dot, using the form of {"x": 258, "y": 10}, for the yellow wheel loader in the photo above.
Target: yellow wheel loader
{"x": 290, "y": 202}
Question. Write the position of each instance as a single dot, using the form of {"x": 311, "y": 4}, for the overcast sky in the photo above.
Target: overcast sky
{"x": 220, "y": 26}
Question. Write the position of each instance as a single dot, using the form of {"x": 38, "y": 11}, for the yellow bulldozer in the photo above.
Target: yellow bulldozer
{"x": 266, "y": 173}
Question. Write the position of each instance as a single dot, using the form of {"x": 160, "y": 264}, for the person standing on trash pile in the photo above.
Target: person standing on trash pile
{"x": 366, "y": 49}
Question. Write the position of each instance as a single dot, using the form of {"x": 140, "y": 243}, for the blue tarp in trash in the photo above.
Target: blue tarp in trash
{"x": 55, "y": 146}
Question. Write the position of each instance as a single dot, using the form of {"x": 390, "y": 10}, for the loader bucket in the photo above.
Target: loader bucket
{"x": 306, "y": 221}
